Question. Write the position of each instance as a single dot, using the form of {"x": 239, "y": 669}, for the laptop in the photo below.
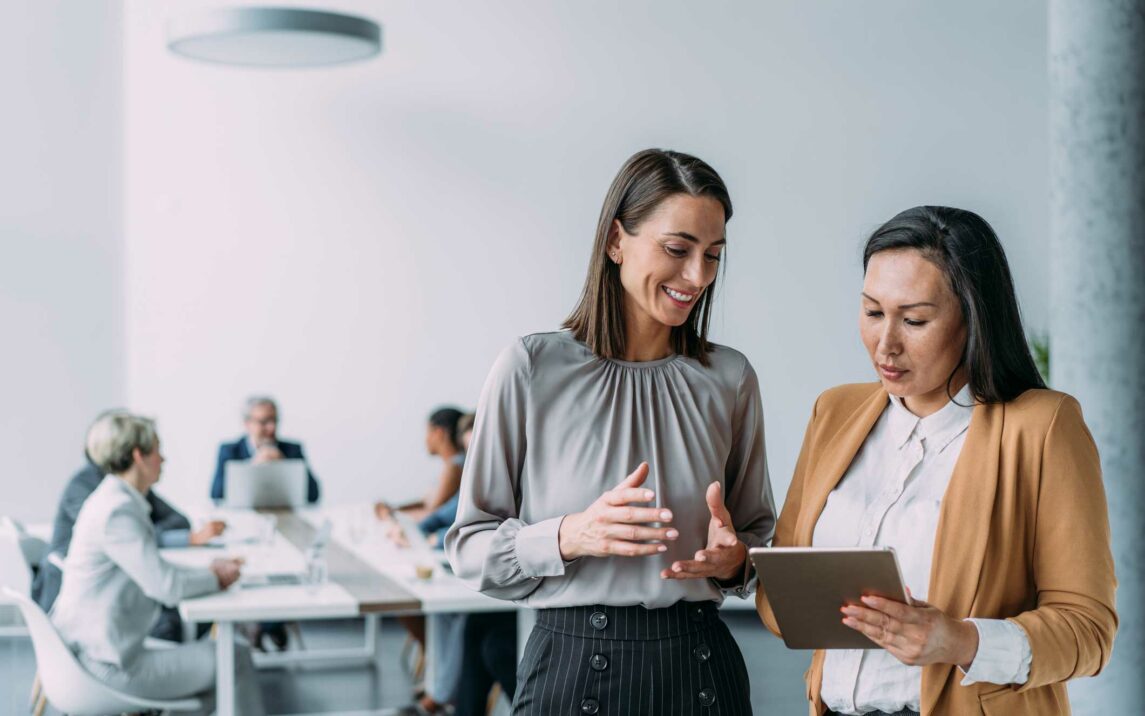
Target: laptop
{"x": 280, "y": 579}
{"x": 279, "y": 483}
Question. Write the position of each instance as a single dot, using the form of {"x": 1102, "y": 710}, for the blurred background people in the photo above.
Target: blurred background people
{"x": 171, "y": 528}
{"x": 446, "y": 437}
{"x": 115, "y": 581}
{"x": 260, "y": 444}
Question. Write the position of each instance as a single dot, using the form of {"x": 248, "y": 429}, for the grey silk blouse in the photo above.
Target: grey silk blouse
{"x": 557, "y": 426}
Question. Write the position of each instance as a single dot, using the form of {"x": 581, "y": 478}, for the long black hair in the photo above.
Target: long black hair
{"x": 967, "y": 251}
{"x": 447, "y": 418}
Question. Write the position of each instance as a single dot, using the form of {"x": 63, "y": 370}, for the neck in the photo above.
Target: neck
{"x": 645, "y": 339}
{"x": 135, "y": 480}
{"x": 931, "y": 403}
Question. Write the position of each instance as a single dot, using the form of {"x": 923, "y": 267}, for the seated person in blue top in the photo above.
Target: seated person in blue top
{"x": 172, "y": 529}
{"x": 442, "y": 440}
{"x": 115, "y": 580}
{"x": 446, "y": 433}
{"x": 260, "y": 444}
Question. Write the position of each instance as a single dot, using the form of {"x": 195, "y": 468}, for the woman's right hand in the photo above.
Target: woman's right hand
{"x": 227, "y": 571}
{"x": 612, "y": 527}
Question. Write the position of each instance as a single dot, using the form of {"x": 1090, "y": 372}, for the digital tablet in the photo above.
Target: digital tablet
{"x": 806, "y": 586}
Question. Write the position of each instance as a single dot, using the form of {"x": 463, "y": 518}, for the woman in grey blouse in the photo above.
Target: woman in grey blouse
{"x": 617, "y": 473}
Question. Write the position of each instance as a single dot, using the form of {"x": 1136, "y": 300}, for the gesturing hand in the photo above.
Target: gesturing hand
{"x": 612, "y": 527}
{"x": 916, "y": 634}
{"x": 724, "y": 556}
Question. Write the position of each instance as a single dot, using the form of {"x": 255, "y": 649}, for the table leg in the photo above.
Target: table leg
{"x": 225, "y": 669}
{"x": 432, "y": 624}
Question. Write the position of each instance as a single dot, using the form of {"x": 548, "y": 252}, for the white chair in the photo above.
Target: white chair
{"x": 33, "y": 548}
{"x": 19, "y": 552}
{"x": 67, "y": 685}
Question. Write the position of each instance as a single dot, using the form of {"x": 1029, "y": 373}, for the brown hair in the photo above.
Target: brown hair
{"x": 642, "y": 184}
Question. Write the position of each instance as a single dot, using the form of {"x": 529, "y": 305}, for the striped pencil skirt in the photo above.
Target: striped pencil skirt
{"x": 630, "y": 660}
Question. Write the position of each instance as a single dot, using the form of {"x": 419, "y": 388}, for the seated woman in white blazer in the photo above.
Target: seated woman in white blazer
{"x": 115, "y": 581}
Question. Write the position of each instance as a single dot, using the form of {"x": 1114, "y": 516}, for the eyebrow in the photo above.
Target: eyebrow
{"x": 688, "y": 237}
{"x": 920, "y": 304}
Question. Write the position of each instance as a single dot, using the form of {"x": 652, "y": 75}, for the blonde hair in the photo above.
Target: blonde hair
{"x": 113, "y": 438}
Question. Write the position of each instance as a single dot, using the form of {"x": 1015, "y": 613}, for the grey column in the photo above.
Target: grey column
{"x": 1097, "y": 281}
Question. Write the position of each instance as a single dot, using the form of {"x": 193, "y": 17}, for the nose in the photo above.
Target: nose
{"x": 890, "y": 342}
{"x": 698, "y": 272}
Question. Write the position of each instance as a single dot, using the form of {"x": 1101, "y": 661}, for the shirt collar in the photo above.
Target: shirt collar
{"x": 939, "y": 429}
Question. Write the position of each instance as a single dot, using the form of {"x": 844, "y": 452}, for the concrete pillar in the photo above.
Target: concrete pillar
{"x": 1097, "y": 281}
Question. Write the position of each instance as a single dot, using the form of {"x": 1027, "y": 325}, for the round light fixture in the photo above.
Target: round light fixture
{"x": 273, "y": 37}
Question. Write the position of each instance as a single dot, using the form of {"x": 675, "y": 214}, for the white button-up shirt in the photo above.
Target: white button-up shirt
{"x": 891, "y": 496}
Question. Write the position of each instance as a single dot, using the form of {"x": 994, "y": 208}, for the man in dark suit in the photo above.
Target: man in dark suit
{"x": 260, "y": 444}
{"x": 172, "y": 529}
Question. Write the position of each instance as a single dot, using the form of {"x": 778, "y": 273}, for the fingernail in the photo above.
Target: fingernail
{"x": 867, "y": 600}
{"x": 649, "y": 495}
{"x": 675, "y": 568}
{"x": 672, "y": 534}
{"x": 662, "y": 548}
{"x": 665, "y": 514}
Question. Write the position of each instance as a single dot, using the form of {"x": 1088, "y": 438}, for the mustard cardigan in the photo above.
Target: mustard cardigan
{"x": 1023, "y": 534}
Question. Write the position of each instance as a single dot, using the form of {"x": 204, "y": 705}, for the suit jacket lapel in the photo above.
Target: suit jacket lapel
{"x": 964, "y": 530}
{"x": 834, "y": 460}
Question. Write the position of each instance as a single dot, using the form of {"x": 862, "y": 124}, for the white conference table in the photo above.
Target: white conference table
{"x": 353, "y": 589}
{"x": 368, "y": 576}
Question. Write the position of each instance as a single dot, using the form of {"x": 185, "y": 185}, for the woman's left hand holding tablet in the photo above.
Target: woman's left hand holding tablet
{"x": 724, "y": 556}
{"x": 916, "y": 634}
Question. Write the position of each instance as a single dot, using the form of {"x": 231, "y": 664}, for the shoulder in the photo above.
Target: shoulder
{"x": 289, "y": 447}
{"x": 1039, "y": 409}
{"x": 109, "y": 500}
{"x": 525, "y": 352}
{"x": 83, "y": 483}
{"x": 540, "y": 347}
{"x": 843, "y": 400}
{"x": 230, "y": 448}
{"x": 728, "y": 360}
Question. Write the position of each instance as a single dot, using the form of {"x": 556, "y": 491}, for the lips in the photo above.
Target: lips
{"x": 891, "y": 372}
{"x": 682, "y": 299}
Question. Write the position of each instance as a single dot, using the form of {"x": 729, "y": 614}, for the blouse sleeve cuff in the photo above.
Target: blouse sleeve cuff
{"x": 1003, "y": 653}
{"x": 538, "y": 549}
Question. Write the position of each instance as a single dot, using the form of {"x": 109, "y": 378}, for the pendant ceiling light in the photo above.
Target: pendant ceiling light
{"x": 273, "y": 37}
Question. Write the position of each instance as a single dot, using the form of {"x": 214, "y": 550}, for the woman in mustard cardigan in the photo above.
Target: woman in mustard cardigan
{"x": 986, "y": 484}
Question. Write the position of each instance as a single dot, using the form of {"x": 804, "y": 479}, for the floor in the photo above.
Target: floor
{"x": 776, "y": 673}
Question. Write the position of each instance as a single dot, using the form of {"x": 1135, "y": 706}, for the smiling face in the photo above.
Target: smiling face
{"x": 912, "y": 326}
{"x": 668, "y": 263}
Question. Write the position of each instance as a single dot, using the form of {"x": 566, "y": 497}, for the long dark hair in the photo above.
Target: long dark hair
{"x": 967, "y": 251}
{"x": 447, "y": 418}
{"x": 646, "y": 179}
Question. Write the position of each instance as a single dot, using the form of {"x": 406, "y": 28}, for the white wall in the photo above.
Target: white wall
{"x": 61, "y": 249}
{"x": 361, "y": 241}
